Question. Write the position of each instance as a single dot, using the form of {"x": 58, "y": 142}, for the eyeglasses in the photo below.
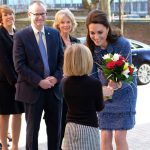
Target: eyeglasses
{"x": 39, "y": 14}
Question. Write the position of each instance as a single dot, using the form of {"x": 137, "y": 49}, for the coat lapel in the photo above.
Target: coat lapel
{"x": 33, "y": 40}
{"x": 7, "y": 36}
{"x": 49, "y": 44}
{"x": 48, "y": 39}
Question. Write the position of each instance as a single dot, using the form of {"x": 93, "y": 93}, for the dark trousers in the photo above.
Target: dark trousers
{"x": 63, "y": 120}
{"x": 33, "y": 112}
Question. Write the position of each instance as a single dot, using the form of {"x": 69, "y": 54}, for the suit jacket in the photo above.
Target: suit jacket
{"x": 7, "y": 70}
{"x": 29, "y": 65}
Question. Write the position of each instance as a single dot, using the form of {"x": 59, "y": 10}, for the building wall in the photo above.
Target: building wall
{"x": 135, "y": 30}
{"x": 48, "y": 2}
{"x": 149, "y": 7}
{"x": 139, "y": 7}
{"x": 138, "y": 31}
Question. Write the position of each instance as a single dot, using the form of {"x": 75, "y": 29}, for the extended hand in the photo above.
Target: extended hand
{"x": 114, "y": 85}
{"x": 107, "y": 91}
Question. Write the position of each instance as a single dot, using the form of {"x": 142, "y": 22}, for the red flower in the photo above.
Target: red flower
{"x": 131, "y": 70}
{"x": 111, "y": 65}
{"x": 122, "y": 58}
{"x": 120, "y": 63}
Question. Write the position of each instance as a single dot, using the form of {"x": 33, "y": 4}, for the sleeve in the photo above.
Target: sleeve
{"x": 59, "y": 71}
{"x": 21, "y": 63}
{"x": 126, "y": 50}
{"x": 126, "y": 53}
{"x": 62, "y": 85}
{"x": 94, "y": 73}
{"x": 6, "y": 66}
{"x": 99, "y": 97}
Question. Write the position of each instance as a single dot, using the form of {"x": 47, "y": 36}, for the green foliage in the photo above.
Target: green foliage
{"x": 94, "y": 1}
{"x": 85, "y": 4}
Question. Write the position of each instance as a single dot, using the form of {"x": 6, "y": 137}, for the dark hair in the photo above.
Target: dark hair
{"x": 99, "y": 17}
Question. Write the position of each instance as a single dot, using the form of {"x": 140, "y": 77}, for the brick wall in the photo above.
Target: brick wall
{"x": 138, "y": 31}
{"x": 135, "y": 30}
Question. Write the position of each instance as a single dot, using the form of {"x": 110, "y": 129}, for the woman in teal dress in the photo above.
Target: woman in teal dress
{"x": 119, "y": 112}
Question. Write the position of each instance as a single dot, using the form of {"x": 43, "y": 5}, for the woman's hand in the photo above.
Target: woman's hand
{"x": 107, "y": 92}
{"x": 114, "y": 85}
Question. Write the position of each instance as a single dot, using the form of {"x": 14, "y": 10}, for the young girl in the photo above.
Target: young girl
{"x": 84, "y": 97}
{"x": 65, "y": 23}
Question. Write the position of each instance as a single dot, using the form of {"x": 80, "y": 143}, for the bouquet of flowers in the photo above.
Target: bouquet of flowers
{"x": 116, "y": 68}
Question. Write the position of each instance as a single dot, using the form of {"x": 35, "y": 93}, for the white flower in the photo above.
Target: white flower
{"x": 115, "y": 57}
{"x": 135, "y": 69}
{"x": 126, "y": 73}
{"x": 107, "y": 56}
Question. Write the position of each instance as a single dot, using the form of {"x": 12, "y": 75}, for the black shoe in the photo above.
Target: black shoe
{"x": 9, "y": 137}
{"x": 0, "y": 146}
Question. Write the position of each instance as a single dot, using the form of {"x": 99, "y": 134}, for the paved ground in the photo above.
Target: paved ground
{"x": 138, "y": 138}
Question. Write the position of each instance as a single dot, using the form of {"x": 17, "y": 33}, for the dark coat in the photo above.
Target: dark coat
{"x": 72, "y": 40}
{"x": 29, "y": 65}
{"x": 7, "y": 71}
{"x": 8, "y": 76}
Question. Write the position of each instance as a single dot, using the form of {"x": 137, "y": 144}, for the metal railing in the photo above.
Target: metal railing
{"x": 22, "y": 5}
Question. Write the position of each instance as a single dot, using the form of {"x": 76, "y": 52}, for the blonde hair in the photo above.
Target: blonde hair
{"x": 5, "y": 9}
{"x": 78, "y": 60}
{"x": 61, "y": 14}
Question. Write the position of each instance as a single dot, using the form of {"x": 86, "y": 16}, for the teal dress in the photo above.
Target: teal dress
{"x": 119, "y": 112}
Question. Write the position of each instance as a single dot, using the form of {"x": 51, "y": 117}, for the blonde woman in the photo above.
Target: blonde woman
{"x": 84, "y": 97}
{"x": 65, "y": 22}
{"x": 8, "y": 78}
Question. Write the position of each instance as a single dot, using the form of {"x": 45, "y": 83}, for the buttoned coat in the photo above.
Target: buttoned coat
{"x": 29, "y": 65}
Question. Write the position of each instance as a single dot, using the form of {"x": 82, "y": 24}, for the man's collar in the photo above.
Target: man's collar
{"x": 36, "y": 31}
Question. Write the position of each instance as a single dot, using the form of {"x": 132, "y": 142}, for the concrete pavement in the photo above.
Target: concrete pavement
{"x": 138, "y": 138}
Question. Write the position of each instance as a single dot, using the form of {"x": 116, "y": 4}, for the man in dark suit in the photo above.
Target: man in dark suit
{"x": 39, "y": 76}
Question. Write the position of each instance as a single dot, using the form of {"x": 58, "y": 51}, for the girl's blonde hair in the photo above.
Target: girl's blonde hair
{"x": 78, "y": 60}
{"x": 61, "y": 14}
